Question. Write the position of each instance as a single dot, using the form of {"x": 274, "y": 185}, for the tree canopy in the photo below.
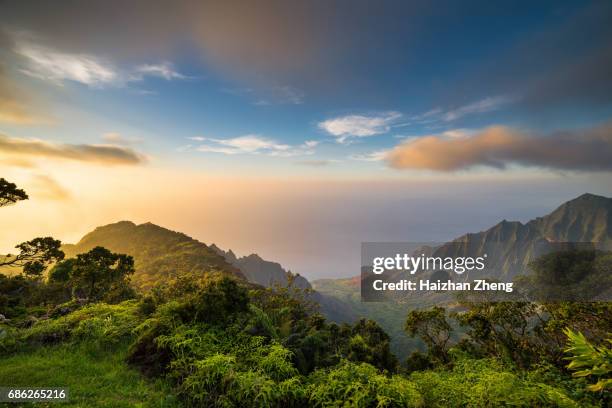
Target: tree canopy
{"x": 10, "y": 194}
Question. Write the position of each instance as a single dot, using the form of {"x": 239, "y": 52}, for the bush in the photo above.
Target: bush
{"x": 361, "y": 385}
{"x": 485, "y": 382}
{"x": 106, "y": 324}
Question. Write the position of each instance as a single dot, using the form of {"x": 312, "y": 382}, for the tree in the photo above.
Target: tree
{"x": 502, "y": 329}
{"x": 370, "y": 344}
{"x": 432, "y": 327}
{"x": 35, "y": 255}
{"x": 98, "y": 272}
{"x": 10, "y": 194}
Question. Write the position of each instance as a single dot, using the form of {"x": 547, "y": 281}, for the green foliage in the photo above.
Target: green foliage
{"x": 100, "y": 273}
{"x": 587, "y": 360}
{"x": 485, "y": 382}
{"x": 432, "y": 327}
{"x": 360, "y": 385}
{"x": 571, "y": 275}
{"x": 97, "y": 377}
{"x": 220, "y": 342}
{"x": 105, "y": 324}
{"x": 34, "y": 256}
{"x": 277, "y": 363}
{"x": 219, "y": 380}
{"x": 161, "y": 256}
{"x": 370, "y": 344}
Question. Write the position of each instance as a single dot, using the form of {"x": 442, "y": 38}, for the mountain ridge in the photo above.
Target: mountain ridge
{"x": 511, "y": 245}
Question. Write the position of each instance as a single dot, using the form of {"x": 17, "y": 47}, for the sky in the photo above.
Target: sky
{"x": 298, "y": 130}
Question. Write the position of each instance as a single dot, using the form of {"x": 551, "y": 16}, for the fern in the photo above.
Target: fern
{"x": 588, "y": 360}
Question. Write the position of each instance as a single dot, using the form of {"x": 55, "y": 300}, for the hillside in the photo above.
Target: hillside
{"x": 161, "y": 255}
{"x": 158, "y": 253}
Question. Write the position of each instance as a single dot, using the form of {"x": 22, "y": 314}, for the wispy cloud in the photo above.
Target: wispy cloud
{"x": 377, "y": 155}
{"x": 58, "y": 66}
{"x": 118, "y": 138}
{"x": 46, "y": 187}
{"x": 315, "y": 163}
{"x": 271, "y": 95}
{"x": 344, "y": 128}
{"x": 163, "y": 70}
{"x": 104, "y": 154}
{"x": 487, "y": 104}
{"x": 251, "y": 144}
{"x": 584, "y": 150}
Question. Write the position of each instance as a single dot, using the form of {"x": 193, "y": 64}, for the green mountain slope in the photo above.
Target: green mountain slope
{"x": 161, "y": 254}
{"x": 158, "y": 253}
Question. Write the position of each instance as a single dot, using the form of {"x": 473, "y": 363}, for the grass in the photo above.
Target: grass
{"x": 95, "y": 377}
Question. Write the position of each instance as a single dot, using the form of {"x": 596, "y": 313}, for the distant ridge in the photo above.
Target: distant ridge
{"x": 258, "y": 270}
{"x": 512, "y": 245}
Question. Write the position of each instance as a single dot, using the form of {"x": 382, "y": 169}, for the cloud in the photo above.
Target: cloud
{"x": 582, "y": 150}
{"x": 270, "y": 95}
{"x": 311, "y": 143}
{"x": 104, "y": 154}
{"x": 283, "y": 95}
{"x": 118, "y": 138}
{"x": 251, "y": 144}
{"x": 268, "y": 40}
{"x": 58, "y": 66}
{"x": 197, "y": 138}
{"x": 163, "y": 70}
{"x": 48, "y": 188}
{"x": 315, "y": 163}
{"x": 345, "y": 127}
{"x": 485, "y": 105}
{"x": 17, "y": 162}
{"x": 378, "y": 155}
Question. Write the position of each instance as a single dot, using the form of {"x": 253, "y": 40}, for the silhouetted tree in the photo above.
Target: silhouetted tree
{"x": 10, "y": 194}
{"x": 35, "y": 255}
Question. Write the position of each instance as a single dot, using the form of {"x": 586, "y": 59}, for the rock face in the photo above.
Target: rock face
{"x": 511, "y": 245}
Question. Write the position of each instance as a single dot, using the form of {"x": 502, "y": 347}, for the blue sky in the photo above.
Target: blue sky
{"x": 416, "y": 68}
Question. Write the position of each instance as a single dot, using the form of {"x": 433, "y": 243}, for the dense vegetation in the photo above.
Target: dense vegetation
{"x": 213, "y": 339}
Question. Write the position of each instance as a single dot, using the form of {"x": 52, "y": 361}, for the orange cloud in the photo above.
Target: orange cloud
{"x": 585, "y": 150}
{"x": 105, "y": 154}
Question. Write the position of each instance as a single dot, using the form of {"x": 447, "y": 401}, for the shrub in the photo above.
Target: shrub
{"x": 590, "y": 361}
{"x": 485, "y": 382}
{"x": 361, "y": 385}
